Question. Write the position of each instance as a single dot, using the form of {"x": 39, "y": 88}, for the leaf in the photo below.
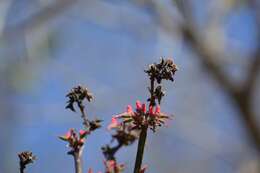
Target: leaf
{"x": 71, "y": 107}
{"x": 64, "y": 138}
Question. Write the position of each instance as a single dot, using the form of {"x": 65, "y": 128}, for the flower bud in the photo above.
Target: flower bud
{"x": 129, "y": 109}
{"x": 157, "y": 109}
{"x": 143, "y": 108}
{"x": 138, "y": 105}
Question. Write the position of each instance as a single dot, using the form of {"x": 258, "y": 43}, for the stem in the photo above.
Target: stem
{"x": 152, "y": 98}
{"x": 22, "y": 168}
{"x": 140, "y": 150}
{"x": 83, "y": 115}
{"x": 143, "y": 134}
{"x": 77, "y": 161}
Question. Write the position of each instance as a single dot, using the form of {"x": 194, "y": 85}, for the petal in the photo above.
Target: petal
{"x": 143, "y": 108}
{"x": 151, "y": 110}
{"x": 129, "y": 109}
{"x": 114, "y": 123}
{"x": 138, "y": 105}
{"x": 83, "y": 133}
{"x": 68, "y": 134}
{"x": 158, "y": 109}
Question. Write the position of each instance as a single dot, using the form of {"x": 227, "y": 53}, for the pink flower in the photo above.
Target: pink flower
{"x": 158, "y": 110}
{"x": 114, "y": 123}
{"x": 81, "y": 141}
{"x": 143, "y": 108}
{"x": 73, "y": 138}
{"x": 129, "y": 109}
{"x": 138, "y": 105}
{"x": 151, "y": 110}
{"x": 68, "y": 134}
{"x": 83, "y": 133}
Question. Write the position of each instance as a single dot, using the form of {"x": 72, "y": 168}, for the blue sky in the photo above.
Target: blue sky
{"x": 108, "y": 52}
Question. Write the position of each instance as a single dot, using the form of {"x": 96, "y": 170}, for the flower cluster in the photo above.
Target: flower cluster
{"x": 77, "y": 95}
{"x": 26, "y": 158}
{"x": 163, "y": 70}
{"x": 151, "y": 117}
{"x": 75, "y": 141}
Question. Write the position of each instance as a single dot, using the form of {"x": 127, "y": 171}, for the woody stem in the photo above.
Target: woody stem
{"x": 143, "y": 134}
{"x": 78, "y": 160}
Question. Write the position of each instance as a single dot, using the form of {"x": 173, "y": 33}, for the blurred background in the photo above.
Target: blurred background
{"x": 49, "y": 46}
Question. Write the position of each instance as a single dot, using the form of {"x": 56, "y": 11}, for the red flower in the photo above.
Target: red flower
{"x": 151, "y": 110}
{"x": 138, "y": 105}
{"x": 157, "y": 110}
{"x": 143, "y": 108}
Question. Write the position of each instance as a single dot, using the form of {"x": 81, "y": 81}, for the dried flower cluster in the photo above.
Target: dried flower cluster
{"x": 25, "y": 158}
{"x": 163, "y": 70}
{"x": 124, "y": 137}
{"x": 78, "y": 95}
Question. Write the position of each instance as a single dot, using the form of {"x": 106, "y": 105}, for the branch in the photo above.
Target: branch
{"x": 253, "y": 72}
{"x": 242, "y": 96}
{"x": 254, "y": 67}
{"x": 39, "y": 18}
{"x": 208, "y": 60}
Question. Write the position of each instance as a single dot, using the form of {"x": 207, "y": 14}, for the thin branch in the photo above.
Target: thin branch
{"x": 254, "y": 67}
{"x": 208, "y": 59}
{"x": 39, "y": 18}
{"x": 239, "y": 94}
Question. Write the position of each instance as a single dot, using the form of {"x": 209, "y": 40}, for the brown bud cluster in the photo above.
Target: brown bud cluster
{"x": 124, "y": 137}
{"x": 78, "y": 95}
{"x": 163, "y": 70}
{"x": 26, "y": 158}
{"x": 95, "y": 124}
